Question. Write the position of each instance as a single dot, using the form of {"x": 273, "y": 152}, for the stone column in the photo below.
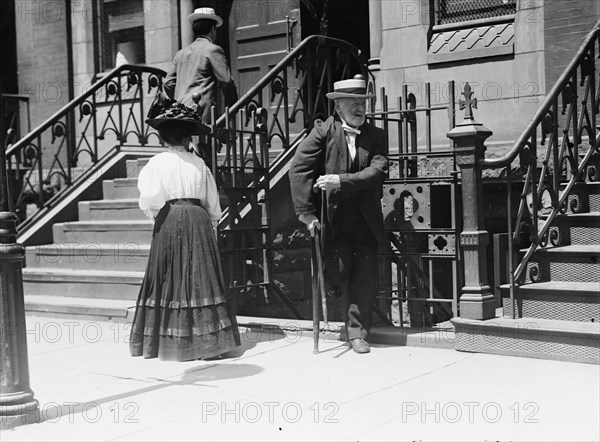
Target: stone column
{"x": 187, "y": 33}
{"x": 17, "y": 405}
{"x": 476, "y": 299}
{"x": 375, "y": 33}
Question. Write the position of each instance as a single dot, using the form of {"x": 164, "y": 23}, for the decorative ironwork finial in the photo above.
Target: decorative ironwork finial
{"x": 468, "y": 103}
{"x": 196, "y": 96}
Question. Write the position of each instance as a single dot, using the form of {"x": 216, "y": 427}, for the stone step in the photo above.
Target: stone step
{"x": 92, "y": 256}
{"x": 581, "y": 228}
{"x": 81, "y": 308}
{"x": 110, "y": 210}
{"x": 133, "y": 167}
{"x": 120, "y": 188}
{"x": 577, "y": 262}
{"x": 70, "y": 283}
{"x": 530, "y": 337}
{"x": 96, "y": 232}
{"x": 559, "y": 300}
{"x": 586, "y": 195}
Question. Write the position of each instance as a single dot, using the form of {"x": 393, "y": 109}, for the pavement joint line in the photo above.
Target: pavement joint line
{"x": 162, "y": 424}
{"x": 408, "y": 380}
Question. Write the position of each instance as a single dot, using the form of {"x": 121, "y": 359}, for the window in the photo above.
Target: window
{"x": 120, "y": 34}
{"x": 453, "y": 11}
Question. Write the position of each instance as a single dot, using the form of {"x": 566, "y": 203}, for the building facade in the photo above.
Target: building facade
{"x": 510, "y": 51}
{"x": 420, "y": 54}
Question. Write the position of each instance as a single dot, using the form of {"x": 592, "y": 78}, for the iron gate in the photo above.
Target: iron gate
{"x": 419, "y": 272}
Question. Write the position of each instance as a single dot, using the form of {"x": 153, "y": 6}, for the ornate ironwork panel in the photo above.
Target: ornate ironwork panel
{"x": 252, "y": 144}
{"x": 420, "y": 279}
{"x": 110, "y": 114}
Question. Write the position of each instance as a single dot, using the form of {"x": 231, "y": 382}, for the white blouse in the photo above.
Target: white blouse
{"x": 174, "y": 174}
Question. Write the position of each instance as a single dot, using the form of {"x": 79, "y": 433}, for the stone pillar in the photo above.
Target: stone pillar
{"x": 161, "y": 32}
{"x": 17, "y": 405}
{"x": 375, "y": 33}
{"x": 476, "y": 299}
{"x": 187, "y": 33}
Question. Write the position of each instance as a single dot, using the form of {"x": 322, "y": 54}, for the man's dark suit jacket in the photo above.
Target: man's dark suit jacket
{"x": 325, "y": 151}
{"x": 200, "y": 67}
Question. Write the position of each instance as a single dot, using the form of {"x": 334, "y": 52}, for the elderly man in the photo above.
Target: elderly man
{"x": 346, "y": 158}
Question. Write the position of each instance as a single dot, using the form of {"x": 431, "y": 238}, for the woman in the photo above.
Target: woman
{"x": 182, "y": 311}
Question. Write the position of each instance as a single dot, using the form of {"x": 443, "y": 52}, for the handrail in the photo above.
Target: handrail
{"x": 272, "y": 116}
{"x": 18, "y": 97}
{"x": 272, "y": 74}
{"x": 556, "y": 90}
{"x": 554, "y": 162}
{"x": 80, "y": 99}
{"x": 47, "y": 160}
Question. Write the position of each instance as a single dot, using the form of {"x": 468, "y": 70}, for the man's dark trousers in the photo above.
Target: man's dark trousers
{"x": 352, "y": 264}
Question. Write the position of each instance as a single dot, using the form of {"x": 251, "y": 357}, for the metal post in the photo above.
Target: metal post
{"x": 477, "y": 299}
{"x": 17, "y": 405}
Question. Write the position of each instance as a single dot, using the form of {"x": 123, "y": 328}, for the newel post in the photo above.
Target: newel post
{"x": 476, "y": 299}
{"x": 17, "y": 404}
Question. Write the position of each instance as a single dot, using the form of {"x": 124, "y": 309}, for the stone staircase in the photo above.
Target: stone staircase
{"x": 558, "y": 316}
{"x": 95, "y": 266}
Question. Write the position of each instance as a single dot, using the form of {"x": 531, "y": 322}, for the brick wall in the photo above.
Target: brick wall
{"x": 566, "y": 23}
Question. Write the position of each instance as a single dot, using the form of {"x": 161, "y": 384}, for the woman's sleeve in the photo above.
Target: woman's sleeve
{"x": 152, "y": 194}
{"x": 212, "y": 197}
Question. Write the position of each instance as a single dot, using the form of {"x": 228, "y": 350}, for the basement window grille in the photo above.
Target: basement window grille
{"x": 455, "y": 11}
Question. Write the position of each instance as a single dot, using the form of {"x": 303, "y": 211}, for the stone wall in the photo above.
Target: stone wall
{"x": 41, "y": 57}
{"x": 502, "y": 61}
{"x": 566, "y": 23}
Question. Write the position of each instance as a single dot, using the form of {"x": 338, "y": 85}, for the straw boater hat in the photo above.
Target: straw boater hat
{"x": 178, "y": 112}
{"x": 205, "y": 13}
{"x": 354, "y": 88}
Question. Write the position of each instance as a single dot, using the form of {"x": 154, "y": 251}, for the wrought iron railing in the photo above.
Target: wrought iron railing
{"x": 252, "y": 145}
{"x": 110, "y": 113}
{"x": 287, "y": 100}
{"x": 419, "y": 278}
{"x": 550, "y": 158}
{"x": 17, "y": 117}
{"x": 279, "y": 110}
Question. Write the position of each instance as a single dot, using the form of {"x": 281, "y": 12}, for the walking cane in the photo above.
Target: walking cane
{"x": 318, "y": 278}
{"x": 316, "y": 294}
{"x": 320, "y": 240}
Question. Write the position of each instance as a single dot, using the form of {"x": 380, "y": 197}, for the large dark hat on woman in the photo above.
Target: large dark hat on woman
{"x": 179, "y": 113}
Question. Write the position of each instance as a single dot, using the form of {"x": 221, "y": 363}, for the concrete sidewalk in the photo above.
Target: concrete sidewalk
{"x": 274, "y": 388}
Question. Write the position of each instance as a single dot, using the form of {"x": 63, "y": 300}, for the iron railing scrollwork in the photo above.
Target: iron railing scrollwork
{"x": 252, "y": 144}
{"x": 17, "y": 117}
{"x": 557, "y": 151}
{"x": 110, "y": 113}
{"x": 419, "y": 272}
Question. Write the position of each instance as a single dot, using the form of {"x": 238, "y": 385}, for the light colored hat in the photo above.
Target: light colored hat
{"x": 205, "y": 13}
{"x": 354, "y": 88}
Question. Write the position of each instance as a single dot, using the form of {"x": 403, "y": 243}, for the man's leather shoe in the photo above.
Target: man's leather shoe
{"x": 359, "y": 345}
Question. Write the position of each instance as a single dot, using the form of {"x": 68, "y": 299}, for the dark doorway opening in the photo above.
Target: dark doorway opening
{"x": 8, "y": 48}
{"x": 344, "y": 19}
{"x": 222, "y": 9}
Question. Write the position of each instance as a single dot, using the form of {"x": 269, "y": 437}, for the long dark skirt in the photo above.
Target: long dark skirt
{"x": 182, "y": 312}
